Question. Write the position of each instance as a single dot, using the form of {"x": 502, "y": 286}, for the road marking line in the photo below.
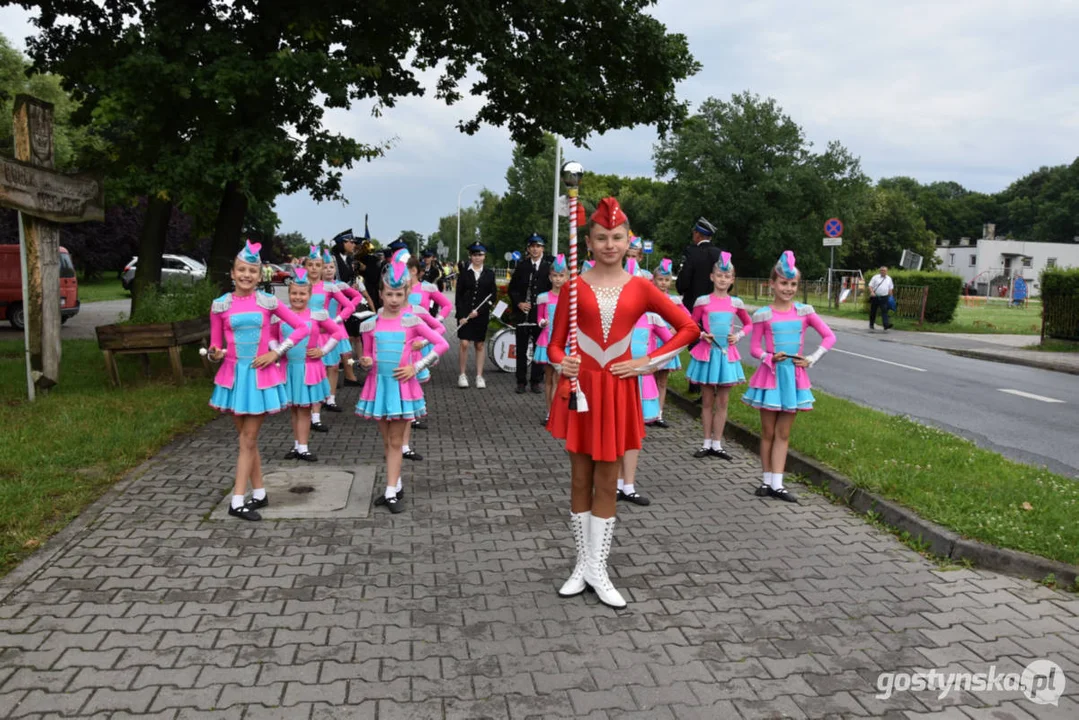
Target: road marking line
{"x": 1032, "y": 396}
{"x": 887, "y": 362}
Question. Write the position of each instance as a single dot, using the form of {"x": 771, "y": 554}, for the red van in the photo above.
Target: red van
{"x": 11, "y": 286}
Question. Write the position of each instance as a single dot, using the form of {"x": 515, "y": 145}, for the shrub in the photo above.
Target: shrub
{"x": 1060, "y": 280}
{"x": 1060, "y": 302}
{"x": 944, "y": 289}
{"x": 174, "y": 301}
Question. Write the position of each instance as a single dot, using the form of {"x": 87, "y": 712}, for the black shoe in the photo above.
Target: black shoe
{"x": 332, "y": 407}
{"x": 721, "y": 453}
{"x": 872, "y": 328}
{"x": 306, "y": 457}
{"x": 887, "y": 327}
{"x": 419, "y": 425}
{"x": 396, "y": 504}
{"x": 381, "y": 499}
{"x": 537, "y": 388}
{"x": 292, "y": 454}
{"x": 319, "y": 427}
{"x": 244, "y": 512}
{"x": 352, "y": 383}
{"x": 783, "y": 494}
{"x": 634, "y": 497}
{"x": 763, "y": 491}
{"x": 257, "y": 504}
{"x": 703, "y": 453}
{"x": 522, "y": 389}
{"x": 661, "y": 423}
{"x": 693, "y": 388}
{"x": 412, "y": 455}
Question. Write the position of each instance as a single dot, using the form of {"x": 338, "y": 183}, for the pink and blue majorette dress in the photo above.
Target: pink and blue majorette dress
{"x": 241, "y": 325}
{"x": 305, "y": 378}
{"x": 388, "y": 341}
{"x": 424, "y": 375}
{"x": 547, "y": 306}
{"x": 717, "y": 362}
{"x": 649, "y": 333}
{"x": 783, "y": 386}
{"x": 676, "y": 363}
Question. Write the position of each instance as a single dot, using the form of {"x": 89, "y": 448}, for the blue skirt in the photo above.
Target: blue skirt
{"x": 333, "y": 357}
{"x": 299, "y": 392}
{"x": 245, "y": 397}
{"x": 388, "y": 403}
{"x": 717, "y": 371}
{"x": 784, "y": 397}
{"x": 650, "y": 409}
{"x": 675, "y": 364}
{"x": 539, "y": 355}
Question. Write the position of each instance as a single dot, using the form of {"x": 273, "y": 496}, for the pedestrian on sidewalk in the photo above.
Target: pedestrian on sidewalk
{"x": 545, "y": 314}
{"x": 250, "y": 383}
{"x": 306, "y": 378}
{"x": 714, "y": 362}
{"x": 780, "y": 388}
{"x": 881, "y": 289}
{"x": 476, "y": 293}
{"x": 610, "y": 302}
{"x": 662, "y": 279}
{"x": 530, "y": 279}
{"x": 391, "y": 394}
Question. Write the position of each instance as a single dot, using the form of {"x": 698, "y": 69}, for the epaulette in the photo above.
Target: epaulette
{"x": 763, "y": 314}
{"x": 221, "y": 304}
{"x": 419, "y": 310}
{"x": 320, "y": 315}
{"x": 702, "y": 300}
{"x": 655, "y": 318}
{"x": 410, "y": 320}
{"x": 429, "y": 287}
{"x": 369, "y": 324}
{"x": 804, "y": 310}
{"x": 542, "y": 298}
{"x": 736, "y": 302}
{"x": 266, "y": 301}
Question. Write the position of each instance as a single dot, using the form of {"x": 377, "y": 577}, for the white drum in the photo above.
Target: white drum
{"x": 502, "y": 349}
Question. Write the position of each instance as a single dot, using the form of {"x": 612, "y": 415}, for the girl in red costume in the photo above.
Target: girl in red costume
{"x": 609, "y": 303}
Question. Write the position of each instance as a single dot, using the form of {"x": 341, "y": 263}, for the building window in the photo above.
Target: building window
{"x": 1028, "y": 262}
{"x": 951, "y": 259}
{"x": 973, "y": 260}
{"x": 1051, "y": 262}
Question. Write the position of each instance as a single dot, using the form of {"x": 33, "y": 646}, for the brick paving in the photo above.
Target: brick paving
{"x": 740, "y": 607}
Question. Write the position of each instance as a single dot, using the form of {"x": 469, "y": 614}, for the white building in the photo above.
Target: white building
{"x": 989, "y": 264}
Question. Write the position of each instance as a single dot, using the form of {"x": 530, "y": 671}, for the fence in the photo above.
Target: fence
{"x": 1060, "y": 315}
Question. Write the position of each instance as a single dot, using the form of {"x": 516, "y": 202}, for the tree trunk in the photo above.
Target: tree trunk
{"x": 155, "y": 229}
{"x": 228, "y": 231}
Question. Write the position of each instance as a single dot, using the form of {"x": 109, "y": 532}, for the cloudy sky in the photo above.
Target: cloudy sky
{"x": 976, "y": 91}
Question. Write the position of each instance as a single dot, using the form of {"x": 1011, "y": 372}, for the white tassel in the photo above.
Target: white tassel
{"x": 582, "y": 401}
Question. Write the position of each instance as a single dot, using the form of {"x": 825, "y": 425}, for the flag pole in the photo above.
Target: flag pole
{"x": 571, "y": 176}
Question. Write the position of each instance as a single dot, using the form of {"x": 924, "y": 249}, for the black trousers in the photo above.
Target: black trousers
{"x": 882, "y": 303}
{"x": 527, "y": 334}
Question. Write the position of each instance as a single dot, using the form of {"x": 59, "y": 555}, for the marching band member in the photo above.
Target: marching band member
{"x": 476, "y": 294}
{"x": 530, "y": 278}
{"x": 662, "y": 280}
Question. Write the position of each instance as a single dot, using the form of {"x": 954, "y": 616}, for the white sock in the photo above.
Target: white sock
{"x": 716, "y": 445}
{"x": 766, "y": 479}
{"x": 237, "y": 502}
{"x": 400, "y": 485}
{"x": 316, "y": 417}
{"x": 777, "y": 481}
{"x": 404, "y": 448}
{"x": 707, "y": 444}
{"x": 628, "y": 489}
{"x": 621, "y": 483}
{"x": 391, "y": 492}
{"x": 259, "y": 493}
{"x": 295, "y": 444}
{"x": 301, "y": 448}
{"x": 332, "y": 399}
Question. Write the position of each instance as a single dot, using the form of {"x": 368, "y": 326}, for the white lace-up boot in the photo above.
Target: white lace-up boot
{"x": 600, "y": 533}
{"x": 579, "y": 523}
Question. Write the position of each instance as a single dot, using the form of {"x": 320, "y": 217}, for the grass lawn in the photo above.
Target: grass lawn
{"x": 62, "y": 452}
{"x": 1050, "y": 345}
{"x": 942, "y": 477}
{"x": 107, "y": 287}
{"x": 994, "y": 319}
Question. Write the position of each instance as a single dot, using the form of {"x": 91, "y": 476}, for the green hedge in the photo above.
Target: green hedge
{"x": 944, "y": 289}
{"x": 1060, "y": 303}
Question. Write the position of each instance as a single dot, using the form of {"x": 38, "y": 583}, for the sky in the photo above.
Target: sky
{"x": 981, "y": 92}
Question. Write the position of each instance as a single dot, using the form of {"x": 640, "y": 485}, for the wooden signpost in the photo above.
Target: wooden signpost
{"x": 45, "y": 199}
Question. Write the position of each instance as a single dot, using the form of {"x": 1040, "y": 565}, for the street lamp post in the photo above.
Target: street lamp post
{"x": 466, "y": 187}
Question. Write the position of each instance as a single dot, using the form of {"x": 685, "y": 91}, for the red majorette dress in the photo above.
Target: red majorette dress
{"x": 614, "y": 422}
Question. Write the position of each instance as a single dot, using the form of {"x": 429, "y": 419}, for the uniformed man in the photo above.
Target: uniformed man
{"x": 531, "y": 277}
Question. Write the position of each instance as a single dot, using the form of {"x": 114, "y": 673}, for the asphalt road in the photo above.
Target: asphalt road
{"x": 961, "y": 395}
{"x": 80, "y": 327}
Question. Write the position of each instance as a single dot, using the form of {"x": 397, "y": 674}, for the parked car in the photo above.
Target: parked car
{"x": 280, "y": 274}
{"x": 11, "y": 308}
{"x": 173, "y": 267}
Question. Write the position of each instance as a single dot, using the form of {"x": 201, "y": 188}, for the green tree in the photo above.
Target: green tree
{"x": 886, "y": 225}
{"x": 748, "y": 167}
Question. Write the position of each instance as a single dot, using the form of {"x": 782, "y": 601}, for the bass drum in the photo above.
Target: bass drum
{"x": 502, "y": 349}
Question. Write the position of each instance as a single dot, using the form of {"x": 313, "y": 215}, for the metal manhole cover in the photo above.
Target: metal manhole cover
{"x": 301, "y": 489}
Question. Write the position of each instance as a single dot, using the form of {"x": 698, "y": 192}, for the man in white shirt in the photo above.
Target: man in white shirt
{"x": 881, "y": 288}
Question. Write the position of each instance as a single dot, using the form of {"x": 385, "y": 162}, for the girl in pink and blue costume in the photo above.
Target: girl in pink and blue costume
{"x": 305, "y": 375}
{"x": 321, "y": 294}
{"x": 547, "y": 305}
{"x": 333, "y": 359}
{"x": 662, "y": 279}
{"x": 714, "y": 362}
{"x": 250, "y": 383}
{"x": 391, "y": 394}
{"x": 780, "y": 387}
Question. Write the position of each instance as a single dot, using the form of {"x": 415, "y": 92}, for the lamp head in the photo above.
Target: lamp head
{"x": 572, "y": 172}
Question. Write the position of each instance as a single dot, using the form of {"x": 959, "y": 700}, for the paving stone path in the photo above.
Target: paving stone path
{"x": 740, "y": 607}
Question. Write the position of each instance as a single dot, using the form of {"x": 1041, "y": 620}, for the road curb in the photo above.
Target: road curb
{"x": 939, "y": 540}
{"x": 1009, "y": 360}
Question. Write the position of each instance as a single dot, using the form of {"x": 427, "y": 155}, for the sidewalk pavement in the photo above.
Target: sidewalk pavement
{"x": 740, "y": 607}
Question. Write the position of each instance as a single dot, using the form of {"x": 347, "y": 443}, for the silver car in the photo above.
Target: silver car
{"x": 174, "y": 268}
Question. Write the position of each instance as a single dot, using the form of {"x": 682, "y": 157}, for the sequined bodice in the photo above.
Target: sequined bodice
{"x": 607, "y": 299}
{"x": 246, "y": 333}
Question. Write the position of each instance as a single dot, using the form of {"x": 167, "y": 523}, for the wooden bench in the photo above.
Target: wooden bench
{"x": 145, "y": 339}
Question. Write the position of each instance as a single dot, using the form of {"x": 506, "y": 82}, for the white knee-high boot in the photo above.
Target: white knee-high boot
{"x": 600, "y": 533}
{"x": 579, "y": 523}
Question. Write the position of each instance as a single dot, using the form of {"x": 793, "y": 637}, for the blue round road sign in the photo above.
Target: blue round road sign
{"x": 833, "y": 228}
